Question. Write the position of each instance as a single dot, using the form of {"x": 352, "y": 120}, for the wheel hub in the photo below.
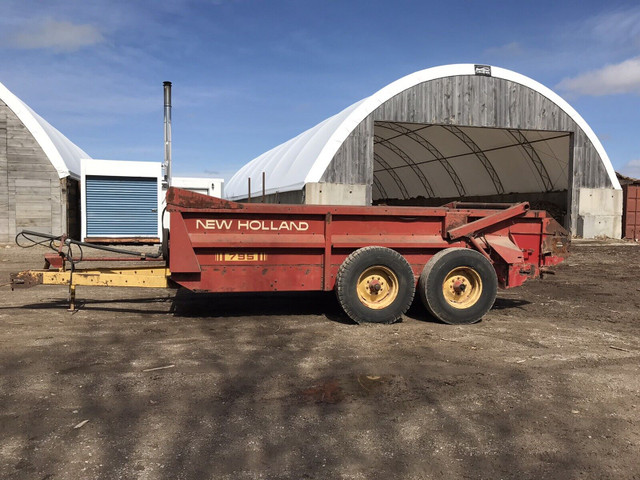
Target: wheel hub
{"x": 377, "y": 287}
{"x": 374, "y": 286}
{"x": 462, "y": 287}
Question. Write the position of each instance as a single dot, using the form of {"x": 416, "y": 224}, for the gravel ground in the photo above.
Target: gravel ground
{"x": 283, "y": 386}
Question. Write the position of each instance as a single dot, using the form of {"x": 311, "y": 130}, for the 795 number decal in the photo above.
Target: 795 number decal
{"x": 240, "y": 257}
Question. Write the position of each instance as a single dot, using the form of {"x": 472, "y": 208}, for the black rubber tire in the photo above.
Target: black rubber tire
{"x": 434, "y": 274}
{"x": 356, "y": 264}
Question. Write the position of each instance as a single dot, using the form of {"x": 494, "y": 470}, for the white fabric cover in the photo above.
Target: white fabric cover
{"x": 64, "y": 155}
{"x": 305, "y": 158}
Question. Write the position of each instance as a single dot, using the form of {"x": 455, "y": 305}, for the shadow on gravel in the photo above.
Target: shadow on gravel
{"x": 417, "y": 311}
{"x": 190, "y": 304}
{"x": 508, "y": 303}
{"x": 101, "y": 305}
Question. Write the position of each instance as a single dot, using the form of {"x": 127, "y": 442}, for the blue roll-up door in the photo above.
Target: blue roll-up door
{"x": 122, "y": 206}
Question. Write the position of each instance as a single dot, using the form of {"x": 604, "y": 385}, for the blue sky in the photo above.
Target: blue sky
{"x": 251, "y": 74}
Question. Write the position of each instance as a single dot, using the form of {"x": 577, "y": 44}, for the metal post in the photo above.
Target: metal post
{"x": 72, "y": 296}
{"x": 249, "y": 188}
{"x": 263, "y": 187}
{"x": 167, "y": 135}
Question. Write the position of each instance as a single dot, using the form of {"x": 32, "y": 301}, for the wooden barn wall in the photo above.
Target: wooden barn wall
{"x": 469, "y": 101}
{"x": 34, "y": 199}
{"x": 351, "y": 162}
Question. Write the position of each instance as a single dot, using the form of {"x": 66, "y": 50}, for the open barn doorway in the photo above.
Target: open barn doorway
{"x": 432, "y": 164}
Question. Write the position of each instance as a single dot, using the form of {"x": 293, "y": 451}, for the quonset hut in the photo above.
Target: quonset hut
{"x": 39, "y": 173}
{"x": 455, "y": 132}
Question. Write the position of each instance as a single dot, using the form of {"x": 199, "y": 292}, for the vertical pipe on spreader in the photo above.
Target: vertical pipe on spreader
{"x": 263, "y": 187}
{"x": 249, "y": 189}
{"x": 167, "y": 134}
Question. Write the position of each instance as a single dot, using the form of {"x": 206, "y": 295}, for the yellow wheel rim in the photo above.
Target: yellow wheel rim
{"x": 377, "y": 287}
{"x": 462, "y": 287}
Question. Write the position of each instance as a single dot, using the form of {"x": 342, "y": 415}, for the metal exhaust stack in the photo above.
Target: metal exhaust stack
{"x": 166, "y": 166}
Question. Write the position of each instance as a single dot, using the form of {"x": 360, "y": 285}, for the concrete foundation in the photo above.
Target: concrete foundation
{"x": 335, "y": 194}
{"x": 599, "y": 213}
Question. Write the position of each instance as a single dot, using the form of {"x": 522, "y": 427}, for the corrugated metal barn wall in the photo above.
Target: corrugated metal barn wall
{"x": 475, "y": 101}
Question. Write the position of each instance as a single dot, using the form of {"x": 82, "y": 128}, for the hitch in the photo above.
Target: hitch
{"x": 61, "y": 268}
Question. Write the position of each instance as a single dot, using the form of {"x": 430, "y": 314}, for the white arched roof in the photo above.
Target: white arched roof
{"x": 63, "y": 154}
{"x": 305, "y": 158}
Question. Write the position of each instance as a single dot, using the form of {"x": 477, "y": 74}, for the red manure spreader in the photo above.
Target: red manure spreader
{"x": 374, "y": 258}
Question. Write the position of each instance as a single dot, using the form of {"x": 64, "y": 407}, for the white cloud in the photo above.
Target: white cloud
{"x": 631, "y": 169}
{"x": 55, "y": 35}
{"x": 620, "y": 26}
{"x": 612, "y": 79}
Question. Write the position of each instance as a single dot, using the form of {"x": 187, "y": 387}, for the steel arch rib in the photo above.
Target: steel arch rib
{"x": 534, "y": 157}
{"x": 431, "y": 149}
{"x": 394, "y": 175}
{"x": 409, "y": 161}
{"x": 378, "y": 184}
{"x": 456, "y": 131}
